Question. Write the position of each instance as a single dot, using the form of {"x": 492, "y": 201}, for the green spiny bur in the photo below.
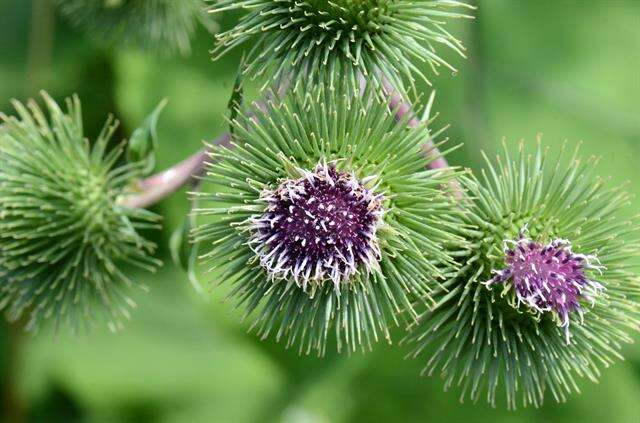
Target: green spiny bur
{"x": 386, "y": 41}
{"x": 293, "y": 144}
{"x": 64, "y": 240}
{"x": 547, "y": 293}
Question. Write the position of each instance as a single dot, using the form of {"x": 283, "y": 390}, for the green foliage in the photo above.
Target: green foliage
{"x": 478, "y": 338}
{"x": 143, "y": 142}
{"x": 327, "y": 41}
{"x": 166, "y": 26}
{"x": 361, "y": 136}
{"x": 65, "y": 242}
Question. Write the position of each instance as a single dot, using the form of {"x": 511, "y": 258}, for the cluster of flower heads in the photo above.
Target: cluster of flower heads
{"x": 524, "y": 279}
{"x": 329, "y": 220}
{"x": 328, "y": 41}
{"x": 63, "y": 236}
{"x": 557, "y": 304}
{"x": 554, "y": 305}
{"x": 166, "y": 26}
{"x": 318, "y": 227}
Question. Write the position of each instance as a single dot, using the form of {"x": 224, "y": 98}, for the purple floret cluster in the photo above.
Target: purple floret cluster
{"x": 549, "y": 278}
{"x": 319, "y": 227}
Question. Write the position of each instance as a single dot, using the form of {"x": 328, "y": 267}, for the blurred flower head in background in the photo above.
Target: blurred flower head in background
{"x": 64, "y": 240}
{"x": 165, "y": 26}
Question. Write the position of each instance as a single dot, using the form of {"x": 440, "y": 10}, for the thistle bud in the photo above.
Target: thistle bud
{"x": 548, "y": 278}
{"x": 64, "y": 238}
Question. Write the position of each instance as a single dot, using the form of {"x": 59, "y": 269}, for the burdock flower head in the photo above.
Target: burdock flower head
{"x": 327, "y": 41}
{"x": 327, "y": 221}
{"x": 64, "y": 238}
{"x": 546, "y": 294}
{"x": 166, "y": 26}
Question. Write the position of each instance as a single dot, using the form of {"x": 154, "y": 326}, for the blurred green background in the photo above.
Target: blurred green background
{"x": 568, "y": 69}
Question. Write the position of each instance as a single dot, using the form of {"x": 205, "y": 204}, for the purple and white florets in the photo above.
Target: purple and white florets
{"x": 549, "y": 278}
{"x": 319, "y": 227}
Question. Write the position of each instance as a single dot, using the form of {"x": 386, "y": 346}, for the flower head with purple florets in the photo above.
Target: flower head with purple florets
{"x": 533, "y": 315}
{"x": 326, "y": 219}
{"x": 548, "y": 278}
{"x": 319, "y": 227}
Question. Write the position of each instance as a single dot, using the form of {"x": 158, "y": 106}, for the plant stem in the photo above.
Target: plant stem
{"x": 40, "y": 43}
{"x": 12, "y": 405}
{"x": 161, "y": 185}
{"x": 403, "y": 108}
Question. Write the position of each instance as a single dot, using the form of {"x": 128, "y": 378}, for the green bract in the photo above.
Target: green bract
{"x": 484, "y": 337}
{"x": 304, "y": 146}
{"x": 163, "y": 25}
{"x": 64, "y": 240}
{"x": 387, "y": 41}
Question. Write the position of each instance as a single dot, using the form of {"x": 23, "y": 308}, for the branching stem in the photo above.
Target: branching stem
{"x": 402, "y": 109}
{"x": 159, "y": 186}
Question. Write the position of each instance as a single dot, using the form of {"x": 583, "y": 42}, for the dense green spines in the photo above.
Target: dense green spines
{"x": 387, "y": 41}
{"x": 63, "y": 237}
{"x": 358, "y": 135}
{"x": 476, "y": 339}
{"x": 166, "y": 26}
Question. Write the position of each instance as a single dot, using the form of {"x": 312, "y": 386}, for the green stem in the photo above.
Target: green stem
{"x": 159, "y": 186}
{"x": 12, "y": 404}
{"x": 40, "y": 48}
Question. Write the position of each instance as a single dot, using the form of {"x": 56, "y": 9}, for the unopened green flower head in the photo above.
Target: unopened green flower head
{"x": 547, "y": 294}
{"x": 326, "y": 221}
{"x": 386, "y": 41}
{"x": 166, "y": 26}
{"x": 64, "y": 240}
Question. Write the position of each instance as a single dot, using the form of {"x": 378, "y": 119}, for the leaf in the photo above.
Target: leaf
{"x": 183, "y": 252}
{"x": 237, "y": 94}
{"x": 144, "y": 140}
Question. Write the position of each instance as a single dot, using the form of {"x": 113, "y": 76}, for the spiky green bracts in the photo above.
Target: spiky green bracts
{"x": 386, "y": 41}
{"x": 64, "y": 240}
{"x": 327, "y": 222}
{"x": 166, "y": 26}
{"x": 546, "y": 295}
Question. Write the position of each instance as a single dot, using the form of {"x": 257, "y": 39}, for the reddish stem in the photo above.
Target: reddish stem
{"x": 159, "y": 186}
{"x": 403, "y": 109}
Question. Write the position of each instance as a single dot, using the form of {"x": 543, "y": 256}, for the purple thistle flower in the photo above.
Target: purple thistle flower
{"x": 549, "y": 279}
{"x": 321, "y": 226}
